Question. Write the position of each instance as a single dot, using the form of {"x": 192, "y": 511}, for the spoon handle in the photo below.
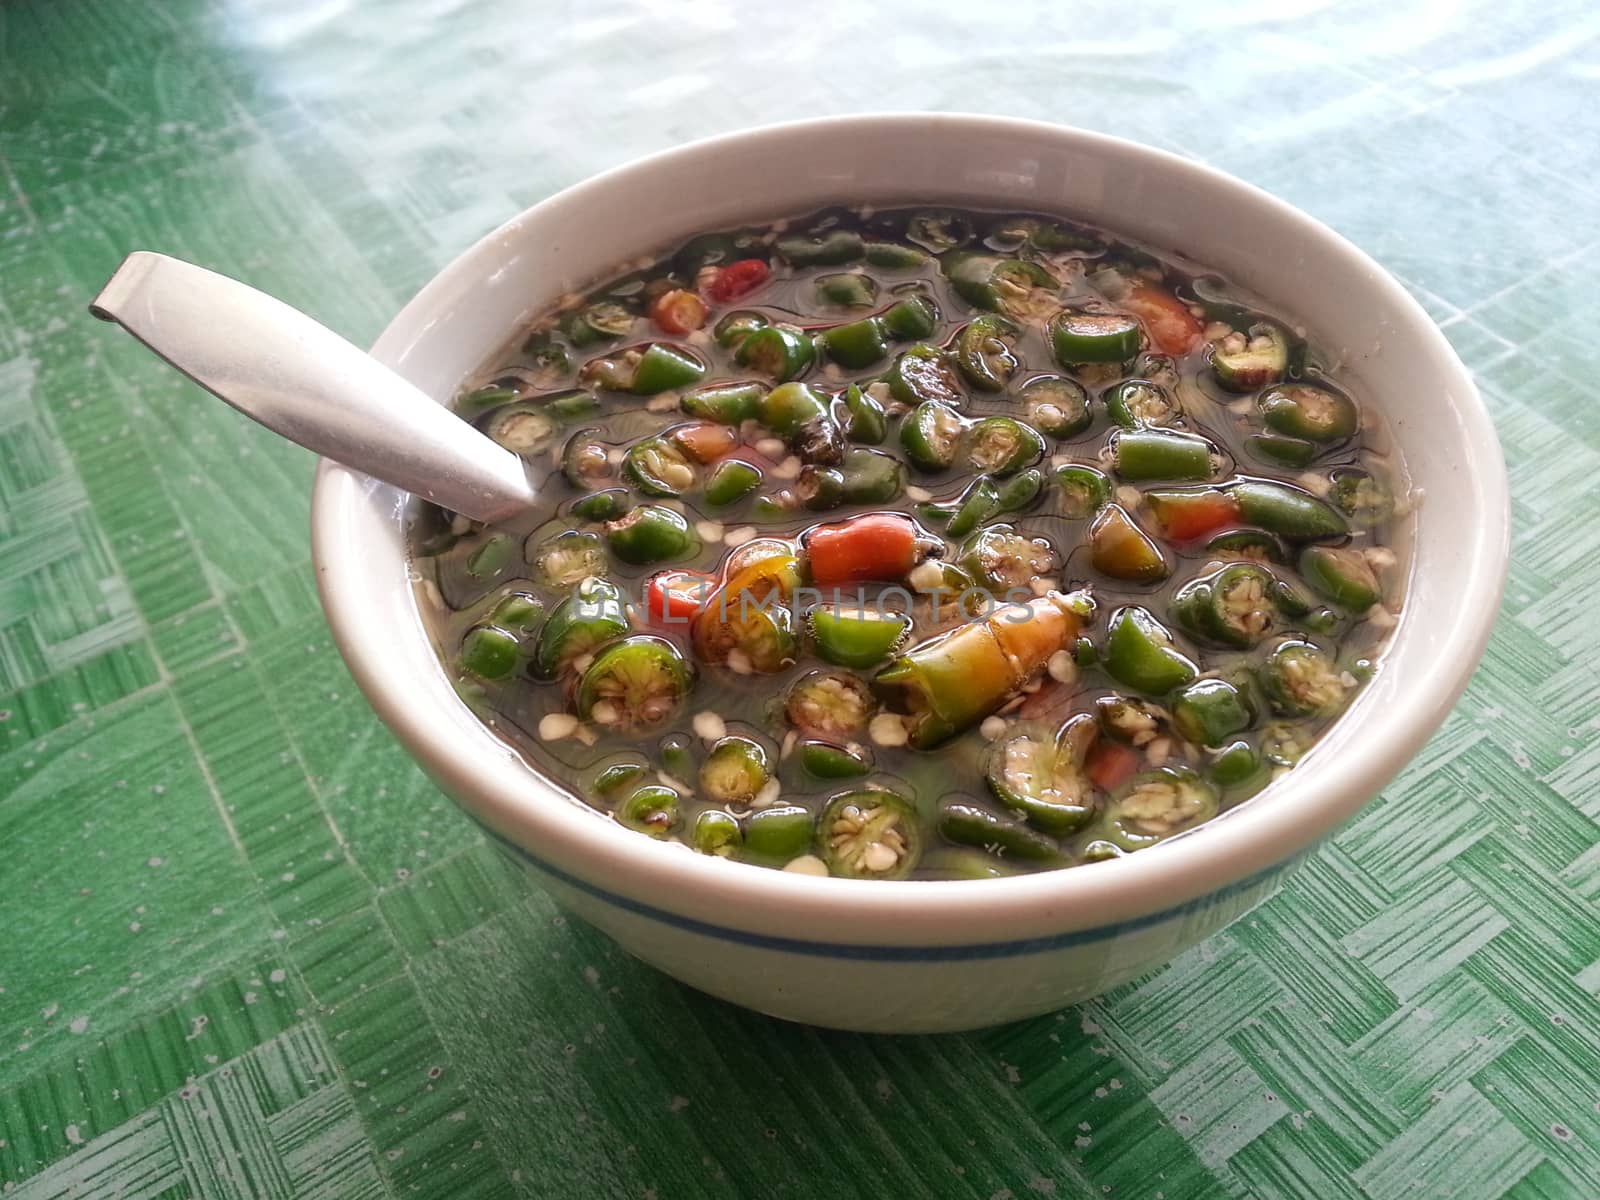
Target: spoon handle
{"x": 303, "y": 381}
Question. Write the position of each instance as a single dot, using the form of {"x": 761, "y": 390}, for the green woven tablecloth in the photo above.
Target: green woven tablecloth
{"x": 248, "y": 950}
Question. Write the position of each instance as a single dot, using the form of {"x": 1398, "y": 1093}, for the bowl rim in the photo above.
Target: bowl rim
{"x": 1239, "y": 845}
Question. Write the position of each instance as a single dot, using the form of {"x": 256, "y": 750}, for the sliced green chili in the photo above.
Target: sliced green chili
{"x": 830, "y": 250}
{"x": 1231, "y": 607}
{"x": 1140, "y": 653}
{"x": 869, "y": 834}
{"x": 1120, "y": 549}
{"x": 735, "y": 771}
{"x": 1162, "y": 454}
{"x": 1210, "y": 711}
{"x": 724, "y": 403}
{"x": 847, "y": 289}
{"x": 922, "y": 374}
{"x": 931, "y": 435}
{"x": 780, "y": 352}
{"x": 857, "y": 345}
{"x": 984, "y": 352}
{"x": 1057, "y": 406}
{"x": 1081, "y": 336}
{"x": 969, "y": 825}
{"x": 979, "y": 502}
{"x": 594, "y": 614}
{"x": 1243, "y": 362}
{"x": 911, "y": 317}
{"x": 868, "y": 424}
{"x": 1287, "y": 511}
{"x": 1084, "y": 491}
{"x": 651, "y": 810}
{"x": 730, "y": 480}
{"x": 1314, "y": 412}
{"x": 651, "y": 534}
{"x": 1342, "y": 575}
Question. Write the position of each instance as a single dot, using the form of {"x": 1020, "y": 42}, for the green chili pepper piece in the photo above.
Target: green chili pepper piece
{"x": 1039, "y": 775}
{"x": 857, "y": 638}
{"x": 1057, "y": 405}
{"x": 856, "y": 345}
{"x": 704, "y": 250}
{"x": 931, "y": 435}
{"x": 1079, "y": 336}
{"x": 939, "y": 229}
{"x": 827, "y": 761}
{"x": 1364, "y": 498}
{"x": 568, "y": 557}
{"x": 717, "y": 833}
{"x": 1012, "y": 286}
{"x": 1301, "y": 680}
{"x": 978, "y": 503}
{"x": 601, "y": 506}
{"x": 831, "y": 250}
{"x": 1312, "y": 411}
{"x": 651, "y": 810}
{"x": 968, "y": 825}
{"x": 1280, "y": 450}
{"x": 490, "y": 653}
{"x": 871, "y": 477}
{"x": 1120, "y": 549}
{"x": 474, "y": 404}
{"x": 869, "y": 834}
{"x": 575, "y": 405}
{"x": 1140, "y": 404}
{"x": 1255, "y": 544}
{"x": 614, "y": 776}
{"x": 964, "y": 862}
{"x": 1001, "y": 560}
{"x": 735, "y": 771}
{"x": 489, "y": 559}
{"x": 820, "y": 488}
{"x": 657, "y": 467}
{"x": 1084, "y": 491}
{"x": 651, "y": 534}
{"x": 1232, "y": 607}
{"x": 523, "y": 428}
{"x": 868, "y": 424}
{"x": 922, "y": 374}
{"x": 1243, "y": 362}
{"x": 678, "y": 758}
{"x": 731, "y": 480}
{"x": 778, "y": 351}
{"x": 731, "y": 331}
{"x": 778, "y": 834}
{"x": 603, "y": 322}
{"x": 984, "y": 352}
{"x": 1287, "y": 511}
{"x": 1342, "y": 575}
{"x": 586, "y": 460}
{"x": 1153, "y": 806}
{"x": 1161, "y": 454}
{"x": 892, "y": 256}
{"x": 634, "y": 684}
{"x": 911, "y": 318}
{"x": 595, "y": 613}
{"x": 847, "y": 289}
{"x": 518, "y": 613}
{"x": 665, "y": 367}
{"x": 1021, "y": 490}
{"x": 1002, "y": 446}
{"x": 1209, "y": 711}
{"x": 724, "y": 403}
{"x": 1140, "y": 653}
{"x": 788, "y": 408}
{"x": 1236, "y": 763}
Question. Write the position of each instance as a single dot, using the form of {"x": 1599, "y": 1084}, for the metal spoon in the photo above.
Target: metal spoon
{"x": 303, "y": 381}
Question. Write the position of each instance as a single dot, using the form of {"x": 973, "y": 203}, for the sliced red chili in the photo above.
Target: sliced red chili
{"x": 736, "y": 279}
{"x": 674, "y": 597}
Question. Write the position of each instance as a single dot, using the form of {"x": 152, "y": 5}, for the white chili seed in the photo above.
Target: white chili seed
{"x": 555, "y": 726}
{"x": 789, "y": 468}
{"x": 887, "y": 729}
{"x": 709, "y": 531}
{"x": 992, "y": 728}
{"x": 1062, "y": 667}
{"x": 920, "y": 495}
{"x": 739, "y": 536}
{"x": 710, "y": 726}
{"x": 771, "y": 447}
{"x": 807, "y": 864}
{"x": 768, "y": 795}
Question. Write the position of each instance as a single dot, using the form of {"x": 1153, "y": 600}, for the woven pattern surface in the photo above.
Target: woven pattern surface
{"x": 250, "y": 951}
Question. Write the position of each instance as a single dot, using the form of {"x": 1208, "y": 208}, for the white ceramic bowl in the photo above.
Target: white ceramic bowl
{"x": 925, "y": 956}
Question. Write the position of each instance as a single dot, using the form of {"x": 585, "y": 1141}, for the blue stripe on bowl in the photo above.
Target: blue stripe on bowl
{"x": 867, "y": 953}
